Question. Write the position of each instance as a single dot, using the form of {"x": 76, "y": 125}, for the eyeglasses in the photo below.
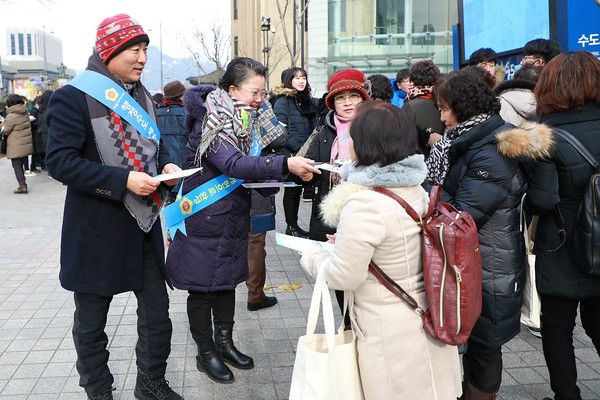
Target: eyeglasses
{"x": 531, "y": 58}
{"x": 341, "y": 99}
{"x": 255, "y": 93}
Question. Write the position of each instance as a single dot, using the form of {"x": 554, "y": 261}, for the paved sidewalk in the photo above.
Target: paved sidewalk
{"x": 37, "y": 358}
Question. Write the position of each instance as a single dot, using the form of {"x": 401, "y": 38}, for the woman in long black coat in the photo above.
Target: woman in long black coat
{"x": 478, "y": 164}
{"x": 568, "y": 97}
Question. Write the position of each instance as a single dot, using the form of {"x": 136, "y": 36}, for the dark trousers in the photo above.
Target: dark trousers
{"x": 558, "y": 322}
{"x": 482, "y": 367}
{"x": 154, "y": 329}
{"x": 291, "y": 204}
{"x": 19, "y": 165}
{"x": 203, "y": 308}
{"x": 257, "y": 267}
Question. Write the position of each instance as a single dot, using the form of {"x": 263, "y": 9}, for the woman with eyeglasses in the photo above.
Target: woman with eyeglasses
{"x": 208, "y": 256}
{"x": 346, "y": 90}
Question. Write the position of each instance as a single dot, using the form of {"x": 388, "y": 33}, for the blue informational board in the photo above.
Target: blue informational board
{"x": 578, "y": 25}
{"x": 503, "y": 25}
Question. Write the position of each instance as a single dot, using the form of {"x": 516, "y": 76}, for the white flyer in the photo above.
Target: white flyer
{"x": 184, "y": 173}
{"x": 258, "y": 185}
{"x": 299, "y": 244}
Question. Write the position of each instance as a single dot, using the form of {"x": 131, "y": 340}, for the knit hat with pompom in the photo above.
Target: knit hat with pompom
{"x": 116, "y": 34}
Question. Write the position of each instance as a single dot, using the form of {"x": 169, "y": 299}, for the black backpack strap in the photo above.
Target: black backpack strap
{"x": 577, "y": 145}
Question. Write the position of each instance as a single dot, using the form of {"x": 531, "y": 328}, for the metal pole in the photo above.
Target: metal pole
{"x": 45, "y": 58}
{"x": 161, "y": 57}
{"x": 302, "y": 35}
{"x": 295, "y": 26}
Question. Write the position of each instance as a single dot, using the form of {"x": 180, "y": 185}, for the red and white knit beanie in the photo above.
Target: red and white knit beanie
{"x": 117, "y": 33}
{"x": 347, "y": 79}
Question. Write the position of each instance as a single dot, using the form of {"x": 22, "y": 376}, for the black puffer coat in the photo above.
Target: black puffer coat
{"x": 557, "y": 185}
{"x": 486, "y": 180}
{"x": 320, "y": 151}
{"x": 300, "y": 119}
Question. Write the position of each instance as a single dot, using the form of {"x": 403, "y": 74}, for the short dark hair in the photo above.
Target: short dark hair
{"x": 239, "y": 70}
{"x": 424, "y": 73}
{"x": 545, "y": 48}
{"x": 402, "y": 75}
{"x": 466, "y": 94}
{"x": 382, "y": 134}
{"x": 529, "y": 73}
{"x": 567, "y": 82}
{"x": 14, "y": 99}
{"x": 381, "y": 87}
{"x": 482, "y": 55}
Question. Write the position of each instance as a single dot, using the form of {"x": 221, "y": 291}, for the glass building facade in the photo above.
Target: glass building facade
{"x": 386, "y": 35}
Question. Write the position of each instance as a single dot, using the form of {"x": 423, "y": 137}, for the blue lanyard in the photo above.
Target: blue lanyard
{"x": 203, "y": 196}
{"x": 113, "y": 96}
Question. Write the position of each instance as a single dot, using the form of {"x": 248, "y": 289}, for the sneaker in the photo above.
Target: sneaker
{"x": 269, "y": 301}
{"x": 31, "y": 173}
{"x": 535, "y": 332}
{"x": 153, "y": 389}
{"x": 106, "y": 395}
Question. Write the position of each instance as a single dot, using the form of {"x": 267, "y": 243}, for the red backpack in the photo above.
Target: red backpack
{"x": 451, "y": 269}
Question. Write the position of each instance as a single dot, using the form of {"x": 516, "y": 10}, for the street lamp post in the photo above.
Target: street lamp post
{"x": 265, "y": 27}
{"x": 45, "y": 58}
{"x": 161, "y": 56}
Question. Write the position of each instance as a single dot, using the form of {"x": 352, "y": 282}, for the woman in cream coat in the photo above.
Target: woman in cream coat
{"x": 397, "y": 360}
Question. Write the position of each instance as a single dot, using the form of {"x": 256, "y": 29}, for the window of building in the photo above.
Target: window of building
{"x": 13, "y": 45}
{"x": 235, "y": 9}
{"x": 29, "y": 45}
{"x": 236, "y": 48}
{"x": 21, "y": 49}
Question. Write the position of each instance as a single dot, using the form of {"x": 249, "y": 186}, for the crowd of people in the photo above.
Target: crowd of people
{"x": 487, "y": 141}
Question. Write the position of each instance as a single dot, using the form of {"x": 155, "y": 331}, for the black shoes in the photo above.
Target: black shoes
{"x": 106, "y": 395}
{"x": 296, "y": 231}
{"x": 269, "y": 301}
{"x": 153, "y": 389}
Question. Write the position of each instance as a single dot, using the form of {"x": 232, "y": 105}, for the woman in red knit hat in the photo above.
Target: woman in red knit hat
{"x": 347, "y": 88}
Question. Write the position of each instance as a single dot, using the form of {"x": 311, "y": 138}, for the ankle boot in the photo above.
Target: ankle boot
{"x": 22, "y": 189}
{"x": 472, "y": 393}
{"x": 227, "y": 349}
{"x": 209, "y": 362}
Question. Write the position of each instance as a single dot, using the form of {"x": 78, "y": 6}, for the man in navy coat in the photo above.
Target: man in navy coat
{"x": 111, "y": 236}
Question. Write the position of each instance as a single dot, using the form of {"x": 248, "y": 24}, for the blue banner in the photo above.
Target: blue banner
{"x": 113, "y": 96}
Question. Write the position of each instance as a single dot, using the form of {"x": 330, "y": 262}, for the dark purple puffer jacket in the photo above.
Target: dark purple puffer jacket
{"x": 214, "y": 254}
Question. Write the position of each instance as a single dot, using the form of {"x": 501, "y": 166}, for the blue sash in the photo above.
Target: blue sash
{"x": 203, "y": 196}
{"x": 113, "y": 96}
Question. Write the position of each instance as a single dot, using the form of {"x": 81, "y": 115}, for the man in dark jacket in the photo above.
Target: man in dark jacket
{"x": 170, "y": 118}
{"x": 112, "y": 237}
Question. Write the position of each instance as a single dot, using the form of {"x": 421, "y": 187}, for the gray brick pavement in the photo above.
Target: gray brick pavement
{"x": 37, "y": 358}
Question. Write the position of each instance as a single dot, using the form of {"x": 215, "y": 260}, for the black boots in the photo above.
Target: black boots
{"x": 153, "y": 389}
{"x": 227, "y": 350}
{"x": 209, "y": 362}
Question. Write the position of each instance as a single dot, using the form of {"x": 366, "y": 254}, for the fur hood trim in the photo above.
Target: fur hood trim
{"x": 283, "y": 91}
{"x": 513, "y": 84}
{"x": 529, "y": 141}
{"x": 331, "y": 206}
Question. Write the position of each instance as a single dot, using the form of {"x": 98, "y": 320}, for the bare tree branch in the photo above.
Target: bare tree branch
{"x": 214, "y": 47}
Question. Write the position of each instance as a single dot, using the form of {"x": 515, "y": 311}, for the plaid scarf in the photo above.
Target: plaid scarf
{"x": 233, "y": 121}
{"x": 438, "y": 163}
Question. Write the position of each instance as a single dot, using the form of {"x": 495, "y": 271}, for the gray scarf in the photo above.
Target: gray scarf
{"x": 120, "y": 145}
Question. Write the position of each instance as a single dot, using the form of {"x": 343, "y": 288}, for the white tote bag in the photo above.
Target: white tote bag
{"x": 326, "y": 366}
{"x": 532, "y": 306}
